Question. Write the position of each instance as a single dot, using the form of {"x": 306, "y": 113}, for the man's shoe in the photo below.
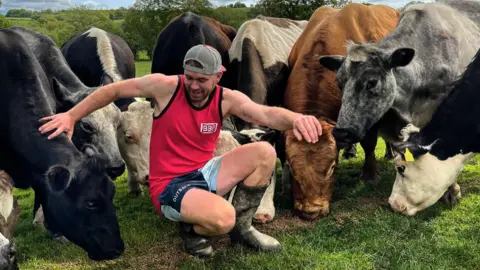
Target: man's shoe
{"x": 246, "y": 201}
{"x": 194, "y": 243}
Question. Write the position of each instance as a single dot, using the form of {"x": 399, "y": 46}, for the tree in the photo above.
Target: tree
{"x": 146, "y": 19}
{"x": 292, "y": 9}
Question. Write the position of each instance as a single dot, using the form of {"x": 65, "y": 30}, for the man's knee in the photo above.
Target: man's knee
{"x": 225, "y": 220}
{"x": 266, "y": 155}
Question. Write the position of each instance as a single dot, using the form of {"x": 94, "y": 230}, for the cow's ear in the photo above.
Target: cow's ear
{"x": 58, "y": 178}
{"x": 64, "y": 98}
{"x": 401, "y": 57}
{"x": 269, "y": 136}
{"x": 61, "y": 96}
{"x": 241, "y": 138}
{"x": 332, "y": 62}
{"x": 106, "y": 79}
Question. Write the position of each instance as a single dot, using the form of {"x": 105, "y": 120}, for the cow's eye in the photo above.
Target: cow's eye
{"x": 129, "y": 137}
{"x": 86, "y": 127}
{"x": 371, "y": 84}
{"x": 91, "y": 205}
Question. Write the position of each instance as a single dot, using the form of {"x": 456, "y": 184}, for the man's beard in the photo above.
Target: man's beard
{"x": 197, "y": 95}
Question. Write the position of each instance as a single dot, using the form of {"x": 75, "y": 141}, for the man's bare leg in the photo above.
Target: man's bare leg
{"x": 250, "y": 166}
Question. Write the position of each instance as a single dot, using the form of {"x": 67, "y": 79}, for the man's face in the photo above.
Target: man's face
{"x": 200, "y": 85}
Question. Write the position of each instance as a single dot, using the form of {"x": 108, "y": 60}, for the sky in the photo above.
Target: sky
{"x": 64, "y": 4}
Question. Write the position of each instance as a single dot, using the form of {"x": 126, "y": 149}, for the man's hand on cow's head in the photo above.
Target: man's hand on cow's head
{"x": 307, "y": 127}
{"x": 63, "y": 122}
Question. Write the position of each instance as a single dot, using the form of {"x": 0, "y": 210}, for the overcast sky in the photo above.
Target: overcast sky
{"x": 63, "y": 4}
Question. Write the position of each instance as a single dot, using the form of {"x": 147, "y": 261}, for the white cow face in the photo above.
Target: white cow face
{"x": 133, "y": 140}
{"x": 420, "y": 183}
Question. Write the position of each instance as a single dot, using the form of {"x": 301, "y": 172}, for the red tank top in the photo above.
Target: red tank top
{"x": 183, "y": 138}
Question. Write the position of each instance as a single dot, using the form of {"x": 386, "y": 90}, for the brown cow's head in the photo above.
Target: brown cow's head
{"x": 312, "y": 167}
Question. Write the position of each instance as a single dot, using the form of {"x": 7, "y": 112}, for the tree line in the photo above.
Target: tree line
{"x": 141, "y": 24}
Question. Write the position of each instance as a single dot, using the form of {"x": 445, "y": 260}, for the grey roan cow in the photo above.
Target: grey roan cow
{"x": 404, "y": 77}
{"x": 72, "y": 186}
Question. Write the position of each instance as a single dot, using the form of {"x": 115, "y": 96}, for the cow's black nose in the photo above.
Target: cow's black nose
{"x": 344, "y": 136}
{"x": 116, "y": 171}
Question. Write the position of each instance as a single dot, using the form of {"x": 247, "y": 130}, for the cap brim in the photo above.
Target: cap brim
{"x": 222, "y": 68}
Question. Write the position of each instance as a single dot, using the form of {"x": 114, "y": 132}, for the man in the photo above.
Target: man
{"x": 188, "y": 184}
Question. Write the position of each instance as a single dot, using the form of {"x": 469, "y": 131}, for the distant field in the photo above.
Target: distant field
{"x": 359, "y": 233}
{"x": 143, "y": 68}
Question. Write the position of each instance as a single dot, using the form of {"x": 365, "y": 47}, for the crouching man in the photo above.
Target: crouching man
{"x": 187, "y": 183}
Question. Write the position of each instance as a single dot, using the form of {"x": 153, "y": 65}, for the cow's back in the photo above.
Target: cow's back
{"x": 312, "y": 88}
{"x": 259, "y": 57}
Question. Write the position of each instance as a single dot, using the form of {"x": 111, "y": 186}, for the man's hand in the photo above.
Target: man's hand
{"x": 63, "y": 122}
{"x": 308, "y": 127}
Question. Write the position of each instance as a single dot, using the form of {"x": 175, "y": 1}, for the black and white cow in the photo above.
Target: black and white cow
{"x": 259, "y": 59}
{"x": 72, "y": 185}
{"x": 99, "y": 58}
{"x": 98, "y": 128}
{"x": 440, "y": 149}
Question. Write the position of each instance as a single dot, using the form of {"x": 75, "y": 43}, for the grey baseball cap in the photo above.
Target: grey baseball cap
{"x": 207, "y": 56}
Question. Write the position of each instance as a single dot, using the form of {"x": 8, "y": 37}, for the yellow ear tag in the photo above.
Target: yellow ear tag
{"x": 408, "y": 155}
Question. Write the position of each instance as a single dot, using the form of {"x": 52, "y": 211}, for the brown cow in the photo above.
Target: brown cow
{"x": 312, "y": 89}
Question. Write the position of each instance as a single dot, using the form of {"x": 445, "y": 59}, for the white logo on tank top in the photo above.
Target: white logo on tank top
{"x": 208, "y": 128}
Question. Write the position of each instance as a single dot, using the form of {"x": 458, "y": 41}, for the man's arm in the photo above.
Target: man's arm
{"x": 150, "y": 86}
{"x": 274, "y": 117}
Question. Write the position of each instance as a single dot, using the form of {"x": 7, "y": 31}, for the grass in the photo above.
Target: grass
{"x": 360, "y": 232}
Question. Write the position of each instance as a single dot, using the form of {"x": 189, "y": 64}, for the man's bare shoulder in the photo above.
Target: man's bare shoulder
{"x": 232, "y": 95}
{"x": 232, "y": 100}
{"x": 159, "y": 84}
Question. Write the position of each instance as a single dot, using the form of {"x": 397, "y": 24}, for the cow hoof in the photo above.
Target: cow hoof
{"x": 262, "y": 218}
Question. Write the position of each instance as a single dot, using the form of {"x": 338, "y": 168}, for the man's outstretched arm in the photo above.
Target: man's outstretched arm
{"x": 304, "y": 126}
{"x": 149, "y": 86}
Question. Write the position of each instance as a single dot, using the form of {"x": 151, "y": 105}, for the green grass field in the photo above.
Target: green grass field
{"x": 360, "y": 232}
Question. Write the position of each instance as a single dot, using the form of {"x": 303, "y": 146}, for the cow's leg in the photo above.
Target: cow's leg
{"x": 280, "y": 148}
{"x": 453, "y": 194}
{"x": 266, "y": 211}
{"x": 369, "y": 142}
{"x": 38, "y": 220}
{"x": 389, "y": 152}
{"x": 350, "y": 151}
{"x": 133, "y": 186}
